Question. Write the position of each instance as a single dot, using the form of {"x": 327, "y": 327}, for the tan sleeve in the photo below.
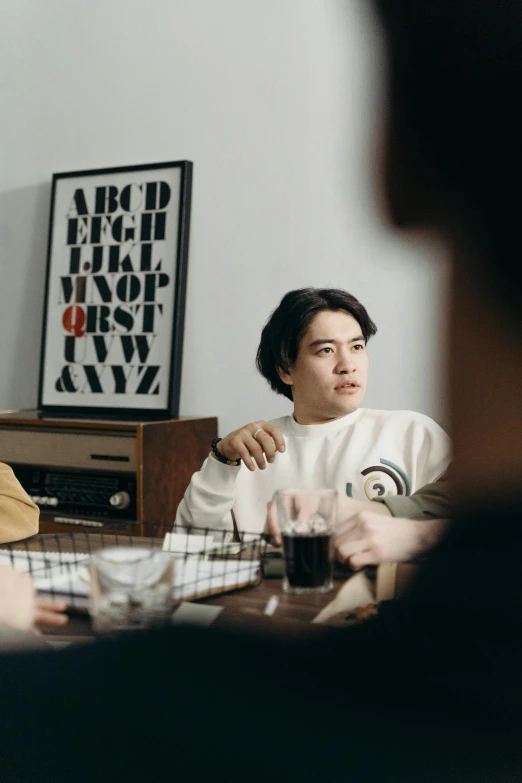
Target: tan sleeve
{"x": 430, "y": 502}
{"x": 18, "y": 514}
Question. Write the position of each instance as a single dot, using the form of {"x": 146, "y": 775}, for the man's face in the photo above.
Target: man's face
{"x": 330, "y": 373}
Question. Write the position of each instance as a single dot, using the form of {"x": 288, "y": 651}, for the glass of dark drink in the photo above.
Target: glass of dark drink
{"x": 306, "y": 519}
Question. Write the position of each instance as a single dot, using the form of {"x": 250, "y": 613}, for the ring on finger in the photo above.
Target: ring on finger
{"x": 259, "y": 429}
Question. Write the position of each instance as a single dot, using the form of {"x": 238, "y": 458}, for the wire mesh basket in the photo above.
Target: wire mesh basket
{"x": 206, "y": 561}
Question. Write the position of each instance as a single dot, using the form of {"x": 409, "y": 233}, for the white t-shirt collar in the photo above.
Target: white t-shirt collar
{"x": 323, "y": 430}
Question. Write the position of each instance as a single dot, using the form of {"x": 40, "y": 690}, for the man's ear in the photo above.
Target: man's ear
{"x": 285, "y": 376}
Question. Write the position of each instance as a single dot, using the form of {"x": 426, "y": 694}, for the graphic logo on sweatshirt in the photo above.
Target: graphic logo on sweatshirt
{"x": 385, "y": 479}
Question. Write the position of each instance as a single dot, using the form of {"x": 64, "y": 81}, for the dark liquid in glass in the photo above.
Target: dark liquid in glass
{"x": 307, "y": 560}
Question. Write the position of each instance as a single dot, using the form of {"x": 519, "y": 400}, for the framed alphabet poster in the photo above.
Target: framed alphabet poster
{"x": 115, "y": 291}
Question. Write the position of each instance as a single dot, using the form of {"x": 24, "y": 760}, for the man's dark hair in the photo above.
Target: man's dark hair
{"x": 455, "y": 127}
{"x": 286, "y": 326}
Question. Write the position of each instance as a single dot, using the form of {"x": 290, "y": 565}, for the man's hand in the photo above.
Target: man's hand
{"x": 241, "y": 444}
{"x": 346, "y": 508}
{"x": 19, "y": 608}
{"x": 369, "y": 539}
{"x": 49, "y": 613}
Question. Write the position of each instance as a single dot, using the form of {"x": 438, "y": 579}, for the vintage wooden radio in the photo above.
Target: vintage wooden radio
{"x": 104, "y": 475}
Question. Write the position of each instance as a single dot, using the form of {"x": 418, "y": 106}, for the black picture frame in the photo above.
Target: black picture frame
{"x": 114, "y": 308}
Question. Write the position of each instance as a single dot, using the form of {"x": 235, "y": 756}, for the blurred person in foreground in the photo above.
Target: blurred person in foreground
{"x": 431, "y": 690}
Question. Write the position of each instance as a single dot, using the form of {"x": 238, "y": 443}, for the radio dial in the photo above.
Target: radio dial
{"x": 120, "y": 500}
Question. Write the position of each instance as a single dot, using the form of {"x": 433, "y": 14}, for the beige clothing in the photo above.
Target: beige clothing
{"x": 18, "y": 514}
{"x": 432, "y": 501}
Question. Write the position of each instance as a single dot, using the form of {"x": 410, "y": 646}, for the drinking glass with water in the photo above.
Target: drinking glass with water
{"x": 131, "y": 588}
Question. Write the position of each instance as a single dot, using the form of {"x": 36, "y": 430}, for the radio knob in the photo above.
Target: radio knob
{"x": 36, "y": 499}
{"x": 120, "y": 500}
{"x": 44, "y": 501}
{"x": 52, "y": 501}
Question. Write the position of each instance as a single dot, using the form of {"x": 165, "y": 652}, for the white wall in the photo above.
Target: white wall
{"x": 276, "y": 102}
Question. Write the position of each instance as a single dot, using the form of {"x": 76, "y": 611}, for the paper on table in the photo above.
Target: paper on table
{"x": 182, "y": 544}
{"x": 195, "y": 614}
{"x": 356, "y": 591}
{"x": 200, "y": 577}
{"x": 41, "y": 564}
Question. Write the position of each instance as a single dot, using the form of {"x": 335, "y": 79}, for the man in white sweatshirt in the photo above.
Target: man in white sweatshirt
{"x": 313, "y": 351}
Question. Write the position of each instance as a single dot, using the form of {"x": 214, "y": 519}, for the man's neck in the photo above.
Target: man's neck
{"x": 302, "y": 416}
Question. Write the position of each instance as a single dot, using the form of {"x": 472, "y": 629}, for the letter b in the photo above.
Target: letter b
{"x": 106, "y": 200}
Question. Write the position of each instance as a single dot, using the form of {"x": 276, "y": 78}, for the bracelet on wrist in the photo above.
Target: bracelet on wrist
{"x": 221, "y": 457}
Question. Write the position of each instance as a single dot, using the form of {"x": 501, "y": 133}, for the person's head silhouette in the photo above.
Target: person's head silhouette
{"x": 454, "y": 164}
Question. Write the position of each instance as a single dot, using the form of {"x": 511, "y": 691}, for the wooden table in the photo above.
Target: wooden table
{"x": 245, "y": 607}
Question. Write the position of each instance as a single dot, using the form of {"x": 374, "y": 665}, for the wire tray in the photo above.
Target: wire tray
{"x": 207, "y": 561}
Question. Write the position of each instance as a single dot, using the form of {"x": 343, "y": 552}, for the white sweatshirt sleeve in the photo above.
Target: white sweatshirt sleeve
{"x": 210, "y": 496}
{"x": 434, "y": 452}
